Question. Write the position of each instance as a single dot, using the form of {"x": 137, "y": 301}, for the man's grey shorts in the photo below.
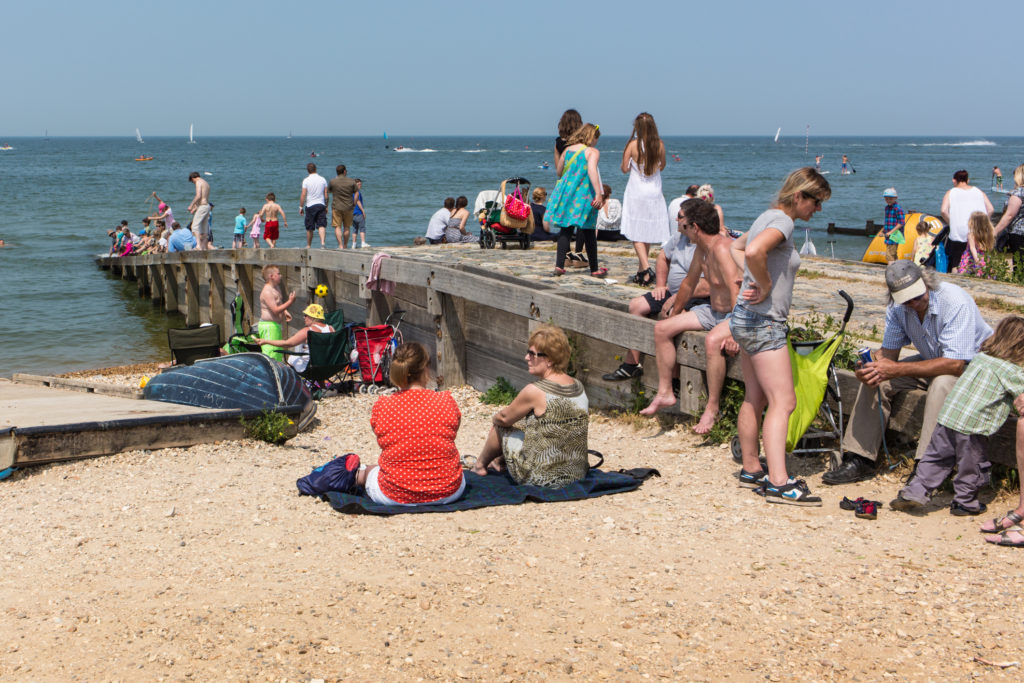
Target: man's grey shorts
{"x": 201, "y": 220}
{"x": 708, "y": 316}
{"x": 756, "y": 333}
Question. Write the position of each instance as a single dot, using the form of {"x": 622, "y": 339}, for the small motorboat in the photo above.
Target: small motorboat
{"x": 249, "y": 382}
{"x": 6, "y": 148}
{"x": 143, "y": 158}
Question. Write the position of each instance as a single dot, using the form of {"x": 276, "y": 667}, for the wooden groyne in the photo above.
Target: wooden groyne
{"x": 474, "y": 309}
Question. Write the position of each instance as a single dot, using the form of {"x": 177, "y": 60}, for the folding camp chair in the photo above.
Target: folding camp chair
{"x": 241, "y": 339}
{"x": 329, "y": 357}
{"x": 193, "y": 343}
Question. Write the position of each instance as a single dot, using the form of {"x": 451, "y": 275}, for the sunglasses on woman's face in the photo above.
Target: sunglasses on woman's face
{"x": 531, "y": 354}
{"x": 817, "y": 202}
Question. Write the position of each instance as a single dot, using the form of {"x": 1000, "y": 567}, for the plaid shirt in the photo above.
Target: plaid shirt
{"x": 894, "y": 218}
{"x": 952, "y": 327}
{"x": 980, "y": 401}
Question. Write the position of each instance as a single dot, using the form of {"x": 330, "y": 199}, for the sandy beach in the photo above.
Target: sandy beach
{"x": 204, "y": 563}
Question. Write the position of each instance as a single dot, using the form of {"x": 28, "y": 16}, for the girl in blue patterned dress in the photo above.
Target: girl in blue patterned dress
{"x": 577, "y": 197}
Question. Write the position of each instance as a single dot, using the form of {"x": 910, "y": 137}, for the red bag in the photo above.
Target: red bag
{"x": 515, "y": 206}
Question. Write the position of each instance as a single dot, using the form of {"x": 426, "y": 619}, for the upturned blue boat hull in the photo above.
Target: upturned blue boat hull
{"x": 242, "y": 381}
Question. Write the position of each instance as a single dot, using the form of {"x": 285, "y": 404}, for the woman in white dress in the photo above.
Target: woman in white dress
{"x": 643, "y": 204}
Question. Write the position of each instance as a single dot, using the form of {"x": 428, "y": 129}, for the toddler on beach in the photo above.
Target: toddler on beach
{"x": 975, "y": 409}
{"x": 923, "y": 246}
{"x": 980, "y": 239}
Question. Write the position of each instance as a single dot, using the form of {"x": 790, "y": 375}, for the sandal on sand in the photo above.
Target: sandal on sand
{"x": 573, "y": 257}
{"x": 999, "y": 527}
{"x": 867, "y": 509}
{"x": 848, "y": 504}
{"x": 1005, "y": 538}
{"x": 600, "y": 272}
{"x": 581, "y": 257}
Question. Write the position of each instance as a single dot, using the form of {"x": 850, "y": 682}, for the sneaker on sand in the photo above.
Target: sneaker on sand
{"x": 624, "y": 372}
{"x": 794, "y": 492}
{"x": 752, "y": 480}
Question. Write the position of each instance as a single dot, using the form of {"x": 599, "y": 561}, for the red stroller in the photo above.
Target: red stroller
{"x": 375, "y": 346}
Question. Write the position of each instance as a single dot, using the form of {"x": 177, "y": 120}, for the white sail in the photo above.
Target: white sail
{"x": 138, "y": 135}
{"x": 191, "y": 140}
{"x": 777, "y": 134}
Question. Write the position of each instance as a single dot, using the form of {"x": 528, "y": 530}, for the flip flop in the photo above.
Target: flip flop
{"x": 997, "y": 526}
{"x": 1005, "y": 540}
{"x": 600, "y": 272}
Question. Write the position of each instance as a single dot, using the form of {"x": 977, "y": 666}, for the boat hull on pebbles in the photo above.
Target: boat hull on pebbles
{"x": 249, "y": 382}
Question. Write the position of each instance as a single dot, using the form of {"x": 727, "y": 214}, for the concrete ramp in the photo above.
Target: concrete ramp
{"x": 48, "y": 419}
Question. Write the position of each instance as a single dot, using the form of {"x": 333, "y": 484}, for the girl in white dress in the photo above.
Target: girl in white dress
{"x": 643, "y": 204}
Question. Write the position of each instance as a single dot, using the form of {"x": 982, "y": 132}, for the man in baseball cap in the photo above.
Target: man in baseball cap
{"x": 944, "y": 324}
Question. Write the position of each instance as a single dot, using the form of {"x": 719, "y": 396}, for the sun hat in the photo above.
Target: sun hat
{"x": 315, "y": 311}
{"x": 890, "y": 192}
{"x": 903, "y": 278}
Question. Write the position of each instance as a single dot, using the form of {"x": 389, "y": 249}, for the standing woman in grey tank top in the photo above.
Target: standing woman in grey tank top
{"x": 770, "y": 261}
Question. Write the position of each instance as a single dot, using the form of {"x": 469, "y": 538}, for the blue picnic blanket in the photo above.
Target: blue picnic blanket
{"x": 499, "y": 489}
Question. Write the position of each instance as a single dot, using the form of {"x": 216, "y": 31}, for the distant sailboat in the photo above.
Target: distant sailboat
{"x": 191, "y": 140}
{"x": 777, "y": 134}
{"x": 289, "y": 135}
{"x": 138, "y": 136}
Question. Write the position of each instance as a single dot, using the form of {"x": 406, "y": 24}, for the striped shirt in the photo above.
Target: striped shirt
{"x": 952, "y": 327}
{"x": 980, "y": 401}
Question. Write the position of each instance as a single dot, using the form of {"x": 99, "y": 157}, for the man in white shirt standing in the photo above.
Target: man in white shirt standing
{"x": 313, "y": 205}
{"x": 960, "y": 202}
{"x": 439, "y": 221}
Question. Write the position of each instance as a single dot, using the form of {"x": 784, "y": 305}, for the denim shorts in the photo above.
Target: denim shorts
{"x": 755, "y": 333}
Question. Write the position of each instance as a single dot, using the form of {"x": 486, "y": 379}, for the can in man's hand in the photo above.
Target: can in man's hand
{"x": 865, "y": 354}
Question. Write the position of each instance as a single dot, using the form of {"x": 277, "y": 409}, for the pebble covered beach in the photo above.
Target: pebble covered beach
{"x": 204, "y": 563}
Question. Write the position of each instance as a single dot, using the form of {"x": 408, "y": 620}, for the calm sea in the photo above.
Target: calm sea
{"x": 60, "y": 196}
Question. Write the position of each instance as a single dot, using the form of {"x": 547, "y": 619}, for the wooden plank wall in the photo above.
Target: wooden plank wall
{"x": 475, "y": 322}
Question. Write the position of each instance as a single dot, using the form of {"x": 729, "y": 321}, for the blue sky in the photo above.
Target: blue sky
{"x": 477, "y": 68}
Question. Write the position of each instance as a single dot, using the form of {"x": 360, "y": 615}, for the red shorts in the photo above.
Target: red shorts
{"x": 270, "y": 230}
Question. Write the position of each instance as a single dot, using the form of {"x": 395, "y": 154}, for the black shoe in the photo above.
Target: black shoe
{"x": 624, "y": 372}
{"x": 959, "y": 510}
{"x": 854, "y": 468}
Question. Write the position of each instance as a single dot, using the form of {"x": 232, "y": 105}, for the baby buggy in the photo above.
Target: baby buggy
{"x": 496, "y": 225}
{"x": 375, "y": 347}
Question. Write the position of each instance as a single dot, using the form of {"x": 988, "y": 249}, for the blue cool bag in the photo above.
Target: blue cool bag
{"x": 941, "y": 260}
{"x": 337, "y": 475}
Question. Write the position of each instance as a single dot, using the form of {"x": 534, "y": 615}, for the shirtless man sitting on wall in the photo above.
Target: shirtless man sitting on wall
{"x": 273, "y": 311}
{"x": 699, "y": 221}
{"x": 269, "y": 215}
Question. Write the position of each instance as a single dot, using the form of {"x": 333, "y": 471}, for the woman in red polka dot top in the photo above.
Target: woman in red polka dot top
{"x": 415, "y": 430}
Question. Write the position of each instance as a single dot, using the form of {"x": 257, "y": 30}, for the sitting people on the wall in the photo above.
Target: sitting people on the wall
{"x": 313, "y": 317}
{"x": 975, "y": 409}
{"x": 416, "y": 430}
{"x": 944, "y": 324}
{"x": 541, "y": 437}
